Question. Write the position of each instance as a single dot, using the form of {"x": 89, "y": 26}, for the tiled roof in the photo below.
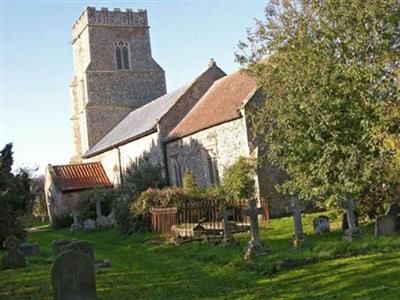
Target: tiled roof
{"x": 220, "y": 104}
{"x": 137, "y": 123}
{"x": 79, "y": 176}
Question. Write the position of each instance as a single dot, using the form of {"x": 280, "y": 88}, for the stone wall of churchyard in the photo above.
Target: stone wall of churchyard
{"x": 146, "y": 147}
{"x": 103, "y": 95}
{"x": 225, "y": 143}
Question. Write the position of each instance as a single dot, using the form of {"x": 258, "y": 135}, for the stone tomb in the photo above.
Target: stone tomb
{"x": 321, "y": 225}
{"x": 73, "y": 277}
{"x": 57, "y": 244}
{"x": 385, "y": 225}
{"x": 14, "y": 258}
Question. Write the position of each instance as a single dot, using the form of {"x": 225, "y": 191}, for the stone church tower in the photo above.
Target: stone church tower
{"x": 114, "y": 72}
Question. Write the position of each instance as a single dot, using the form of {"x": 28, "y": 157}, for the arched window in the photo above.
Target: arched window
{"x": 122, "y": 55}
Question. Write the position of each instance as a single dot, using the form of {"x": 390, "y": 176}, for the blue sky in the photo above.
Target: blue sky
{"x": 36, "y": 61}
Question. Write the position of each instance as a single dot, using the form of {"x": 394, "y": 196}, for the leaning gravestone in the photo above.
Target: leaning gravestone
{"x": 14, "y": 258}
{"x": 81, "y": 246}
{"x": 29, "y": 249}
{"x": 384, "y": 225}
{"x": 321, "y": 225}
{"x": 73, "y": 277}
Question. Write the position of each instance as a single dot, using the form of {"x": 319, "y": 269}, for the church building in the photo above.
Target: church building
{"x": 121, "y": 112}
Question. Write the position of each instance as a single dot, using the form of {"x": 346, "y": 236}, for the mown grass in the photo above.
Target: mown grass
{"x": 325, "y": 267}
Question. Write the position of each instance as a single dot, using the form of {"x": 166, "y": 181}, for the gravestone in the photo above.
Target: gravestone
{"x": 299, "y": 235}
{"x": 255, "y": 245}
{"x": 73, "y": 277}
{"x": 228, "y": 237}
{"x": 75, "y": 226}
{"x": 89, "y": 225}
{"x": 81, "y": 246}
{"x": 352, "y": 231}
{"x": 103, "y": 222}
{"x": 14, "y": 258}
{"x": 57, "y": 244}
{"x": 385, "y": 225}
{"x": 321, "y": 225}
{"x": 394, "y": 210}
{"x": 111, "y": 218}
{"x": 29, "y": 249}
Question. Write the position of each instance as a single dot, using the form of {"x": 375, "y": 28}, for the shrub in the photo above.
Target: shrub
{"x": 87, "y": 202}
{"x": 139, "y": 177}
{"x": 61, "y": 221}
{"x": 239, "y": 180}
{"x": 190, "y": 187}
{"x": 155, "y": 197}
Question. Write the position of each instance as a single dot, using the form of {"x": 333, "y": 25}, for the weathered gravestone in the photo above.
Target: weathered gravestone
{"x": 73, "y": 277}
{"x": 350, "y": 221}
{"x": 385, "y": 225}
{"x": 14, "y": 258}
{"x": 255, "y": 245}
{"x": 299, "y": 235}
{"x": 89, "y": 225}
{"x": 57, "y": 244}
{"x": 394, "y": 210}
{"x": 321, "y": 224}
{"x": 225, "y": 214}
{"x": 29, "y": 249}
{"x": 75, "y": 226}
{"x": 81, "y": 246}
{"x": 103, "y": 222}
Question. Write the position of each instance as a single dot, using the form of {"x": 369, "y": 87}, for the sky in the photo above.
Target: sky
{"x": 36, "y": 61}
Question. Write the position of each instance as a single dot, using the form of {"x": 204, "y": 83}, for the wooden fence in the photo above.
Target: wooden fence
{"x": 192, "y": 219}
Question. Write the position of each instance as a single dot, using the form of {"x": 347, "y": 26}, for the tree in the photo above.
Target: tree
{"x": 239, "y": 180}
{"x": 15, "y": 196}
{"x": 330, "y": 74}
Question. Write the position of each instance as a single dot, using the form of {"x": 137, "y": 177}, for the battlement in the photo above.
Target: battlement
{"x": 92, "y": 16}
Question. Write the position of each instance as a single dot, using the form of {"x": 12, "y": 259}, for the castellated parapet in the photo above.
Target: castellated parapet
{"x": 105, "y": 17}
{"x": 114, "y": 72}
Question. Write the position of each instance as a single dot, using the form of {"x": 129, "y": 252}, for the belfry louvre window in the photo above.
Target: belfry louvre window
{"x": 122, "y": 55}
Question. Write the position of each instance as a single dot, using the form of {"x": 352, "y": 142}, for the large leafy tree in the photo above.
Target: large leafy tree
{"x": 329, "y": 70}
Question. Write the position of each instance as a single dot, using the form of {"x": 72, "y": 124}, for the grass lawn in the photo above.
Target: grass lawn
{"x": 323, "y": 268}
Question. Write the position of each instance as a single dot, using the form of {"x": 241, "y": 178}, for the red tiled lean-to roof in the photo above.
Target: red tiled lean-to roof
{"x": 220, "y": 104}
{"x": 79, "y": 176}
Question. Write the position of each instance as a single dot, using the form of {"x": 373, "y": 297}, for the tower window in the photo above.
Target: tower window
{"x": 122, "y": 55}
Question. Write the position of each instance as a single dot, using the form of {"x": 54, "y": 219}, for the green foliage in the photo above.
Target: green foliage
{"x": 239, "y": 180}
{"x": 87, "y": 202}
{"x": 139, "y": 177}
{"x": 15, "y": 196}
{"x": 61, "y": 221}
{"x": 39, "y": 207}
{"x": 166, "y": 197}
{"x": 190, "y": 186}
{"x": 329, "y": 71}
